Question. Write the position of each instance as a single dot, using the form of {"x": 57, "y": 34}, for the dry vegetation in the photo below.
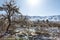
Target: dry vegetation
{"x": 9, "y": 20}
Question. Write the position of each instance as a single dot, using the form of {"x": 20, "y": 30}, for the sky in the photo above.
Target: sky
{"x": 38, "y": 7}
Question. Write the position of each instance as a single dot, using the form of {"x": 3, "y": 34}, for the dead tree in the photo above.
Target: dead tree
{"x": 10, "y": 8}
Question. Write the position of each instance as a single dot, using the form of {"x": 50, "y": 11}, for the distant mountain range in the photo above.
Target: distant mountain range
{"x": 35, "y": 18}
{"x": 50, "y": 18}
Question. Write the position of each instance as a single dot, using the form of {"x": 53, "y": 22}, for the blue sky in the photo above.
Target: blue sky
{"x": 43, "y": 8}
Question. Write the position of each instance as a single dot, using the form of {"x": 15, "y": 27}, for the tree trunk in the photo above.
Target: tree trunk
{"x": 9, "y": 20}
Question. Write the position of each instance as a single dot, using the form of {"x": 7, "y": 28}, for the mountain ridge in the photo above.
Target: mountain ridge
{"x": 50, "y": 18}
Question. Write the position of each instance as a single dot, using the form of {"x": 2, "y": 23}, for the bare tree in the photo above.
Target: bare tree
{"x": 10, "y": 8}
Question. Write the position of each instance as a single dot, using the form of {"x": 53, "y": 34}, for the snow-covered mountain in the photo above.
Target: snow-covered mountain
{"x": 50, "y": 18}
{"x": 34, "y": 18}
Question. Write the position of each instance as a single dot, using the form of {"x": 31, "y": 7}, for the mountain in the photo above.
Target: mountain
{"x": 50, "y": 18}
{"x": 35, "y": 18}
